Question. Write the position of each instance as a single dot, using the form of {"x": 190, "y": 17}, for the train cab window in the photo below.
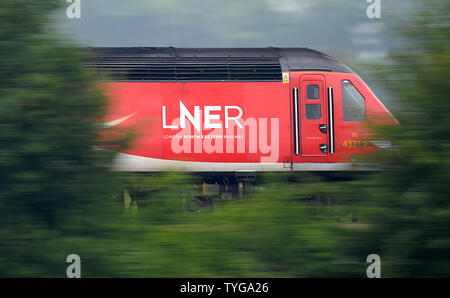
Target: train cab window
{"x": 312, "y": 92}
{"x": 353, "y": 103}
{"x": 313, "y": 111}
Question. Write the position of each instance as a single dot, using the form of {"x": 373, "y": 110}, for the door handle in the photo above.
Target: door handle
{"x": 323, "y": 128}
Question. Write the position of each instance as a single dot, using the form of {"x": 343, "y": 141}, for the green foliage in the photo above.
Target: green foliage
{"x": 272, "y": 233}
{"x": 52, "y": 182}
{"x": 404, "y": 209}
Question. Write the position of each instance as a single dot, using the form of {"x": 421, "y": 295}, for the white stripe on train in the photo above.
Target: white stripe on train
{"x": 133, "y": 163}
{"x": 118, "y": 121}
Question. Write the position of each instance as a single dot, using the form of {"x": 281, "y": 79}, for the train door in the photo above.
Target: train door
{"x": 310, "y": 117}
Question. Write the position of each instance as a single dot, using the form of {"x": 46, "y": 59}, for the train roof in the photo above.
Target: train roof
{"x": 208, "y": 64}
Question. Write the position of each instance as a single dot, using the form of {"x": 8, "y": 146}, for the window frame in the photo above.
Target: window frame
{"x": 342, "y": 104}
{"x": 320, "y": 111}
{"x": 317, "y": 87}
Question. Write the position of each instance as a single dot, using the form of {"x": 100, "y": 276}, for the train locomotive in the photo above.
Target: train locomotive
{"x": 237, "y": 110}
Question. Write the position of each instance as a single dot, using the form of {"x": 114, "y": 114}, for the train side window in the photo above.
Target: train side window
{"x": 353, "y": 103}
{"x": 313, "y": 111}
{"x": 312, "y": 92}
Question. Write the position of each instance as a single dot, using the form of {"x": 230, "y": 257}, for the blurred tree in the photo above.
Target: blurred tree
{"x": 52, "y": 181}
{"x": 404, "y": 209}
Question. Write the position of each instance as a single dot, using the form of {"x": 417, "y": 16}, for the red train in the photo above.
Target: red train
{"x": 237, "y": 110}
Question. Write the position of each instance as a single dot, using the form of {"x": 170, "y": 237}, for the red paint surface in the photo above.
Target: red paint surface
{"x": 260, "y": 101}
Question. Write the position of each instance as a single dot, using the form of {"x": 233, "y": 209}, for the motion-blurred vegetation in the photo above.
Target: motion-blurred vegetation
{"x": 403, "y": 209}
{"x": 57, "y": 196}
{"x": 53, "y": 185}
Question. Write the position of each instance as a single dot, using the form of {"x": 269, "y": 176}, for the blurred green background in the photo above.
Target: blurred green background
{"x": 57, "y": 196}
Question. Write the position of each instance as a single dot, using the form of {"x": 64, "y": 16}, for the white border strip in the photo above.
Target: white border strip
{"x": 133, "y": 163}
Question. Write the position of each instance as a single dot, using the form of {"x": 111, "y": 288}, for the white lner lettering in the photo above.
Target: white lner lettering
{"x": 212, "y": 120}
{"x": 209, "y": 117}
{"x": 184, "y": 113}
{"x": 235, "y": 118}
{"x": 238, "y": 135}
